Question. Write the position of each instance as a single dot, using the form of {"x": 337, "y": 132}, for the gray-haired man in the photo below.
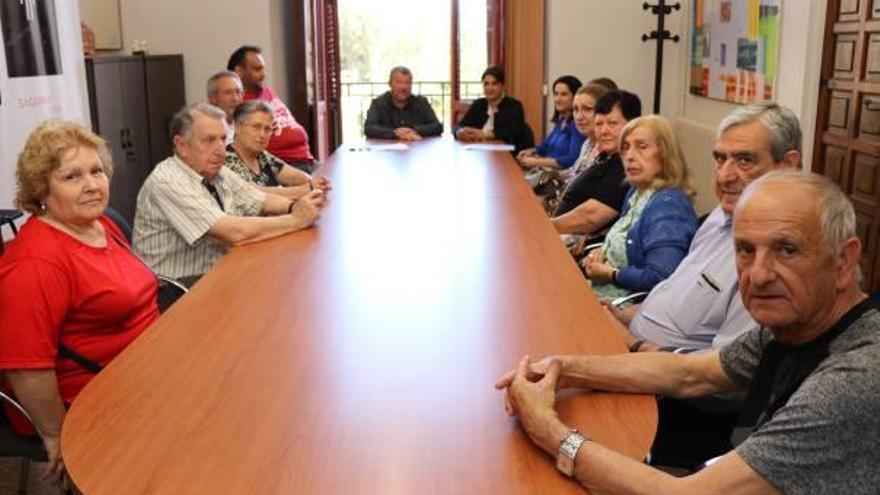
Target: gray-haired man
{"x": 810, "y": 423}
{"x": 399, "y": 114}
{"x": 191, "y": 208}
{"x": 225, "y": 91}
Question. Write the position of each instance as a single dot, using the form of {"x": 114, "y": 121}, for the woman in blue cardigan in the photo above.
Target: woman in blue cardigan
{"x": 657, "y": 222}
{"x": 562, "y": 146}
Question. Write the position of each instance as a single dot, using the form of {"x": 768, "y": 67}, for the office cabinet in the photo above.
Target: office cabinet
{"x": 132, "y": 100}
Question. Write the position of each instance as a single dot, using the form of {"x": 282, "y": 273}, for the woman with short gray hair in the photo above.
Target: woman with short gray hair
{"x": 247, "y": 155}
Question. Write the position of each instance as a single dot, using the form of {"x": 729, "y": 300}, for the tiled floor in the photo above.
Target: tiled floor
{"x": 9, "y": 469}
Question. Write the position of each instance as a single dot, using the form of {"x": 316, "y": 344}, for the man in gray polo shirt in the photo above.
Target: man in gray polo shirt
{"x": 698, "y": 306}
{"x": 192, "y": 209}
{"x": 810, "y": 424}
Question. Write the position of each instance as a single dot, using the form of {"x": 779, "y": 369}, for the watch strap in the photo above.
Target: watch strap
{"x": 568, "y": 449}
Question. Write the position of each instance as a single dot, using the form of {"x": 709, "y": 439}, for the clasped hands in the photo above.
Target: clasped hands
{"x": 407, "y": 134}
{"x": 322, "y": 183}
{"x": 531, "y": 395}
{"x": 470, "y": 134}
{"x": 596, "y": 267}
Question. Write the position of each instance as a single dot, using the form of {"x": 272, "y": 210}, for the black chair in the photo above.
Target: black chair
{"x": 120, "y": 222}
{"x": 691, "y": 431}
{"x": 170, "y": 291}
{"x": 8, "y": 217}
{"x": 13, "y": 445}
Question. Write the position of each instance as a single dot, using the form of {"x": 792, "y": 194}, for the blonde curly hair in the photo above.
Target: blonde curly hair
{"x": 42, "y": 154}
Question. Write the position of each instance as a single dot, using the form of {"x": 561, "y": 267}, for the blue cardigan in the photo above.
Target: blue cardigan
{"x": 658, "y": 240}
{"x": 563, "y": 144}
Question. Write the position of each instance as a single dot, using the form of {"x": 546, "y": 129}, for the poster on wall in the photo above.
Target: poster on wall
{"x": 735, "y": 49}
{"x": 42, "y": 75}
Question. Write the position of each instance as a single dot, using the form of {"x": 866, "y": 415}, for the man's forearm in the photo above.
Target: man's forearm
{"x": 378, "y": 131}
{"x": 657, "y": 373}
{"x": 602, "y": 470}
{"x": 432, "y": 129}
{"x": 37, "y": 391}
{"x": 234, "y": 230}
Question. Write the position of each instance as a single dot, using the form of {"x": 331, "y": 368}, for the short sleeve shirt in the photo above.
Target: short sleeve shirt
{"x": 175, "y": 210}
{"x": 54, "y": 288}
{"x": 823, "y": 440}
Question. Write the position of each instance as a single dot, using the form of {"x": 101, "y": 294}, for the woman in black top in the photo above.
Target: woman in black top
{"x": 592, "y": 200}
{"x": 496, "y": 116}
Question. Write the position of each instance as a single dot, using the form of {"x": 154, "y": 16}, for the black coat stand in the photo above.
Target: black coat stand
{"x": 661, "y": 10}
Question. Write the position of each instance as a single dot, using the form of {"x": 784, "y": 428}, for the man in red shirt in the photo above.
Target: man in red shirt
{"x": 289, "y": 141}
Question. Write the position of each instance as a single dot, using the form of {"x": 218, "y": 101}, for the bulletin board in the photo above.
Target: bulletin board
{"x": 735, "y": 49}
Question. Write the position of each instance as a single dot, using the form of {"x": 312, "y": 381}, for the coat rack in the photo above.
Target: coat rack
{"x": 661, "y": 10}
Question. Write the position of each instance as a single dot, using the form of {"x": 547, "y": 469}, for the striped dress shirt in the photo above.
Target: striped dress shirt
{"x": 175, "y": 210}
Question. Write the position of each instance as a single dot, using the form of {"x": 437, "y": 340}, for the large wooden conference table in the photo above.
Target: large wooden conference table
{"x": 358, "y": 357}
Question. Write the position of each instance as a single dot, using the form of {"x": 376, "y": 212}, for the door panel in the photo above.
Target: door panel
{"x": 835, "y": 158}
{"x": 849, "y": 10}
{"x": 847, "y": 143}
{"x": 838, "y": 113}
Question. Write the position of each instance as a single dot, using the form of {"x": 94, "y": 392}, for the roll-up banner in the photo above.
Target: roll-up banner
{"x": 42, "y": 75}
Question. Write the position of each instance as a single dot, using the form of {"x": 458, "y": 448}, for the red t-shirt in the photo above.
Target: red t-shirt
{"x": 53, "y": 287}
{"x": 289, "y": 141}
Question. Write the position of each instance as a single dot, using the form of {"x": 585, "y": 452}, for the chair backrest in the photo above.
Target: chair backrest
{"x": 11, "y": 443}
{"x": 459, "y": 109}
{"x": 170, "y": 291}
{"x": 15, "y": 405}
{"x": 120, "y": 222}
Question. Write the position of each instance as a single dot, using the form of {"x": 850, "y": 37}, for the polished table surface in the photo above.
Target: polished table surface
{"x": 358, "y": 357}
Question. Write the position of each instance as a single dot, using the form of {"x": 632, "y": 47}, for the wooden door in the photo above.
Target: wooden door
{"x": 847, "y": 144}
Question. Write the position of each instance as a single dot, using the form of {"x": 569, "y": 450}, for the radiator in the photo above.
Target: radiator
{"x": 696, "y": 142}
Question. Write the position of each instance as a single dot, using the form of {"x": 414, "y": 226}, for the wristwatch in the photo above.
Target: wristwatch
{"x": 568, "y": 450}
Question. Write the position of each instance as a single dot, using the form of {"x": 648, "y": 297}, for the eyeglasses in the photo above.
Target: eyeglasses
{"x": 256, "y": 127}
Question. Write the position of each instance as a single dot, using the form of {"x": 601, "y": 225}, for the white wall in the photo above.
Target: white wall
{"x": 591, "y": 38}
{"x": 206, "y": 32}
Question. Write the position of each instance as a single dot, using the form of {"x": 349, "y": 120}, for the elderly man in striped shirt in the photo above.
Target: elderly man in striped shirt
{"x": 192, "y": 209}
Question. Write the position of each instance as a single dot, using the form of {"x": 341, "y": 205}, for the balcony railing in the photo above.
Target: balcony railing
{"x": 356, "y": 98}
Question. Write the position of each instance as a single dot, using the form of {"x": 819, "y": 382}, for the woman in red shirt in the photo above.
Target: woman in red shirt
{"x": 68, "y": 280}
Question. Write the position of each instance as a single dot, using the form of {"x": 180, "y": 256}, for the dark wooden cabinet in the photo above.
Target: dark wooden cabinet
{"x": 132, "y": 100}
